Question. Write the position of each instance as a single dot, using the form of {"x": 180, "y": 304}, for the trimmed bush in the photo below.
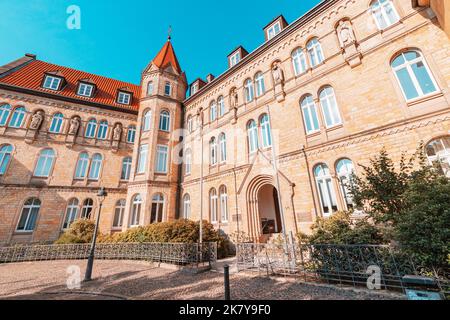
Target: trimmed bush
{"x": 80, "y": 231}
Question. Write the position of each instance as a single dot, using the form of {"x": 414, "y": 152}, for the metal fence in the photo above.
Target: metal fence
{"x": 183, "y": 254}
{"x": 351, "y": 265}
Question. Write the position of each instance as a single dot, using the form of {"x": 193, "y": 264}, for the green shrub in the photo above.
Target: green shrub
{"x": 80, "y": 231}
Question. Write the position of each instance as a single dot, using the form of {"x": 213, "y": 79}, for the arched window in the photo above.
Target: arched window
{"x": 190, "y": 124}
{"x": 309, "y": 111}
{"x": 413, "y": 74}
{"x": 213, "y": 151}
{"x": 147, "y": 121}
{"x": 126, "y": 168}
{"x": 57, "y": 122}
{"x": 96, "y": 166}
{"x": 438, "y": 152}
{"x": 136, "y": 206}
{"x": 329, "y": 107}
{"x": 325, "y": 189}
{"x": 260, "y": 86}
{"x": 71, "y": 213}
{"x": 266, "y": 132}
{"x": 157, "y": 208}
{"x": 252, "y": 132}
{"x": 17, "y": 117}
{"x": 5, "y": 111}
{"x": 164, "y": 121}
{"x": 28, "y": 217}
{"x": 188, "y": 162}
{"x": 315, "y": 52}
{"x": 119, "y": 212}
{"x": 86, "y": 211}
{"x": 186, "y": 206}
{"x": 44, "y": 164}
{"x": 102, "y": 130}
{"x": 299, "y": 61}
{"x": 213, "y": 205}
{"x": 150, "y": 88}
{"x": 5, "y": 157}
{"x": 213, "y": 111}
{"x": 82, "y": 166}
{"x": 221, "y": 106}
{"x": 248, "y": 90}
{"x": 223, "y": 203}
{"x": 131, "y": 134}
{"x": 384, "y": 13}
{"x": 345, "y": 170}
{"x": 91, "y": 128}
{"x": 223, "y": 147}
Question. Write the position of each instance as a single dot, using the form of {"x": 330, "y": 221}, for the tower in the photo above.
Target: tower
{"x": 153, "y": 187}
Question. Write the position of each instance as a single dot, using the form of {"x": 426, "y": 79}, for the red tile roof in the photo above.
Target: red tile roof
{"x": 30, "y": 76}
{"x": 167, "y": 57}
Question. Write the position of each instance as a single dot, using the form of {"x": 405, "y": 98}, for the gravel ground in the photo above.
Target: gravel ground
{"x": 139, "y": 280}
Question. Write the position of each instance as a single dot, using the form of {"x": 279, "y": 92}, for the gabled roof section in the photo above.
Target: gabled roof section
{"x": 166, "y": 57}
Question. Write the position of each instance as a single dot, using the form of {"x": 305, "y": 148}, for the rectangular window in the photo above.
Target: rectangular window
{"x": 161, "y": 159}
{"x": 124, "y": 98}
{"x": 273, "y": 30}
{"x": 235, "y": 58}
{"x": 142, "y": 160}
{"x": 85, "y": 90}
{"x": 168, "y": 89}
{"x": 194, "y": 89}
{"x": 52, "y": 83}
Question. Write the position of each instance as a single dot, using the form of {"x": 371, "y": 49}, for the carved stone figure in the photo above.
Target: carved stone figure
{"x": 74, "y": 125}
{"x": 200, "y": 117}
{"x": 117, "y": 134}
{"x": 234, "y": 98}
{"x": 36, "y": 120}
{"x": 345, "y": 33}
{"x": 278, "y": 73}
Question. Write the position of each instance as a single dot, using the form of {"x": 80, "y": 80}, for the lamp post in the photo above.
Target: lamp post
{"x": 101, "y": 197}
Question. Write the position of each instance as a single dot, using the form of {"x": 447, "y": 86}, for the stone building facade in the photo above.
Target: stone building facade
{"x": 264, "y": 148}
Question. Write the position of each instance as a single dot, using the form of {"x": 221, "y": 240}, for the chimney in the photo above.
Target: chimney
{"x": 210, "y": 78}
{"x": 30, "y": 55}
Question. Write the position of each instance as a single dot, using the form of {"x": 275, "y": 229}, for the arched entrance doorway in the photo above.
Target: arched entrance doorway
{"x": 269, "y": 210}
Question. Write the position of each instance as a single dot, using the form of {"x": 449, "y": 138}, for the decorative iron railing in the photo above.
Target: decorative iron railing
{"x": 183, "y": 254}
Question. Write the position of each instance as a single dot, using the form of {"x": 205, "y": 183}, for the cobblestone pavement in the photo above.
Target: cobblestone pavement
{"x": 140, "y": 280}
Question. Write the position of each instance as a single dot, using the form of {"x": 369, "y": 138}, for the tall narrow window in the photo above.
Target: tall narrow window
{"x": 329, "y": 107}
{"x": 252, "y": 132}
{"x": 150, "y": 88}
{"x": 260, "y": 86}
{"x": 221, "y": 106}
{"x": 161, "y": 159}
{"x": 126, "y": 169}
{"x": 96, "y": 166}
{"x": 131, "y": 134}
{"x": 309, "y": 111}
{"x": 147, "y": 121}
{"x": 164, "y": 121}
{"x": 325, "y": 189}
{"x": 102, "y": 130}
{"x": 213, "y": 151}
{"x": 57, "y": 122}
{"x": 213, "y": 111}
{"x": 86, "y": 210}
{"x": 29, "y": 215}
{"x": 119, "y": 212}
{"x": 248, "y": 90}
{"x": 315, "y": 52}
{"x": 17, "y": 117}
{"x": 223, "y": 204}
{"x": 188, "y": 162}
{"x": 299, "y": 61}
{"x": 168, "y": 89}
{"x": 142, "y": 159}
{"x": 266, "y": 132}
{"x": 413, "y": 74}
{"x": 91, "y": 128}
{"x": 5, "y": 157}
{"x": 136, "y": 206}
{"x": 345, "y": 169}
{"x": 157, "y": 208}
{"x": 438, "y": 152}
{"x": 71, "y": 213}
{"x": 223, "y": 147}
{"x": 82, "y": 166}
{"x": 5, "y": 111}
{"x": 213, "y": 205}
{"x": 190, "y": 124}
{"x": 45, "y": 163}
{"x": 186, "y": 206}
{"x": 384, "y": 13}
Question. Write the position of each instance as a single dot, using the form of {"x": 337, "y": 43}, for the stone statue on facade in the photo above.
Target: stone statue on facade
{"x": 36, "y": 120}
{"x": 234, "y": 102}
{"x": 278, "y": 78}
{"x": 200, "y": 118}
{"x": 345, "y": 33}
{"x": 74, "y": 126}
{"x": 117, "y": 133}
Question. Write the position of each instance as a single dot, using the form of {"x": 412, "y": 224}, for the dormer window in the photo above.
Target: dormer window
{"x": 275, "y": 27}
{"x": 273, "y": 30}
{"x": 85, "y": 90}
{"x": 52, "y": 83}
{"x": 235, "y": 58}
{"x": 124, "y": 98}
{"x": 194, "y": 88}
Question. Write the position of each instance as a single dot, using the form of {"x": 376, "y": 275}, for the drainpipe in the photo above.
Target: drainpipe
{"x": 309, "y": 179}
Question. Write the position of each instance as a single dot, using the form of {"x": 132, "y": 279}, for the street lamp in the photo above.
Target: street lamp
{"x": 101, "y": 197}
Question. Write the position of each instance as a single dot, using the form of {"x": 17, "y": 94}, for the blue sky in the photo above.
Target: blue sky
{"x": 118, "y": 38}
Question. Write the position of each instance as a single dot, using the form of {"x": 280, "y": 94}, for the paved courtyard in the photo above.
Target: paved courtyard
{"x": 141, "y": 280}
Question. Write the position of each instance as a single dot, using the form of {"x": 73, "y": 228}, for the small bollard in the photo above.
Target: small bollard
{"x": 226, "y": 273}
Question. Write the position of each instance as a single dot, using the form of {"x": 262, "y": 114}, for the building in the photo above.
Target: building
{"x": 319, "y": 96}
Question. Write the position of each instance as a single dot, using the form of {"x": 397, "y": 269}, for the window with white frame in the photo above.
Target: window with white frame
{"x": 86, "y": 210}
{"x": 260, "y": 86}
{"x": 157, "y": 212}
{"x": 330, "y": 108}
{"x": 119, "y": 213}
{"x": 85, "y": 90}
{"x": 213, "y": 205}
{"x": 82, "y": 166}
{"x": 194, "y": 89}
{"x": 223, "y": 147}
{"x": 168, "y": 89}
{"x": 161, "y": 159}
{"x": 29, "y": 215}
{"x": 223, "y": 204}
{"x": 310, "y": 117}
{"x": 186, "y": 206}
{"x": 190, "y": 124}
{"x": 252, "y": 133}
{"x": 438, "y": 153}
{"x": 135, "y": 216}
{"x": 5, "y": 157}
{"x": 91, "y": 129}
{"x": 384, "y": 13}
{"x": 221, "y": 106}
{"x": 327, "y": 195}
{"x": 413, "y": 75}
{"x": 147, "y": 121}
{"x": 235, "y": 58}
{"x": 126, "y": 169}
{"x": 213, "y": 111}
{"x": 102, "y": 130}
{"x": 52, "y": 83}
{"x": 131, "y": 134}
{"x": 124, "y": 98}
{"x": 164, "y": 121}
{"x": 248, "y": 90}
{"x": 150, "y": 88}
{"x": 266, "y": 132}
{"x": 345, "y": 171}
{"x": 17, "y": 117}
{"x": 213, "y": 151}
{"x": 142, "y": 159}
{"x": 57, "y": 122}
{"x": 188, "y": 162}
{"x": 44, "y": 164}
{"x": 5, "y": 111}
{"x": 299, "y": 61}
{"x": 71, "y": 213}
{"x": 96, "y": 166}
{"x": 273, "y": 30}
{"x": 315, "y": 52}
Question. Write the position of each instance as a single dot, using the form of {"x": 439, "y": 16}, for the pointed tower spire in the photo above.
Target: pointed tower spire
{"x": 167, "y": 57}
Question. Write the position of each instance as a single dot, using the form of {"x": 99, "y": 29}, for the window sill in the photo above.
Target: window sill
{"x": 428, "y": 97}
{"x": 23, "y": 233}
{"x": 161, "y": 173}
{"x": 313, "y": 134}
{"x": 336, "y": 127}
